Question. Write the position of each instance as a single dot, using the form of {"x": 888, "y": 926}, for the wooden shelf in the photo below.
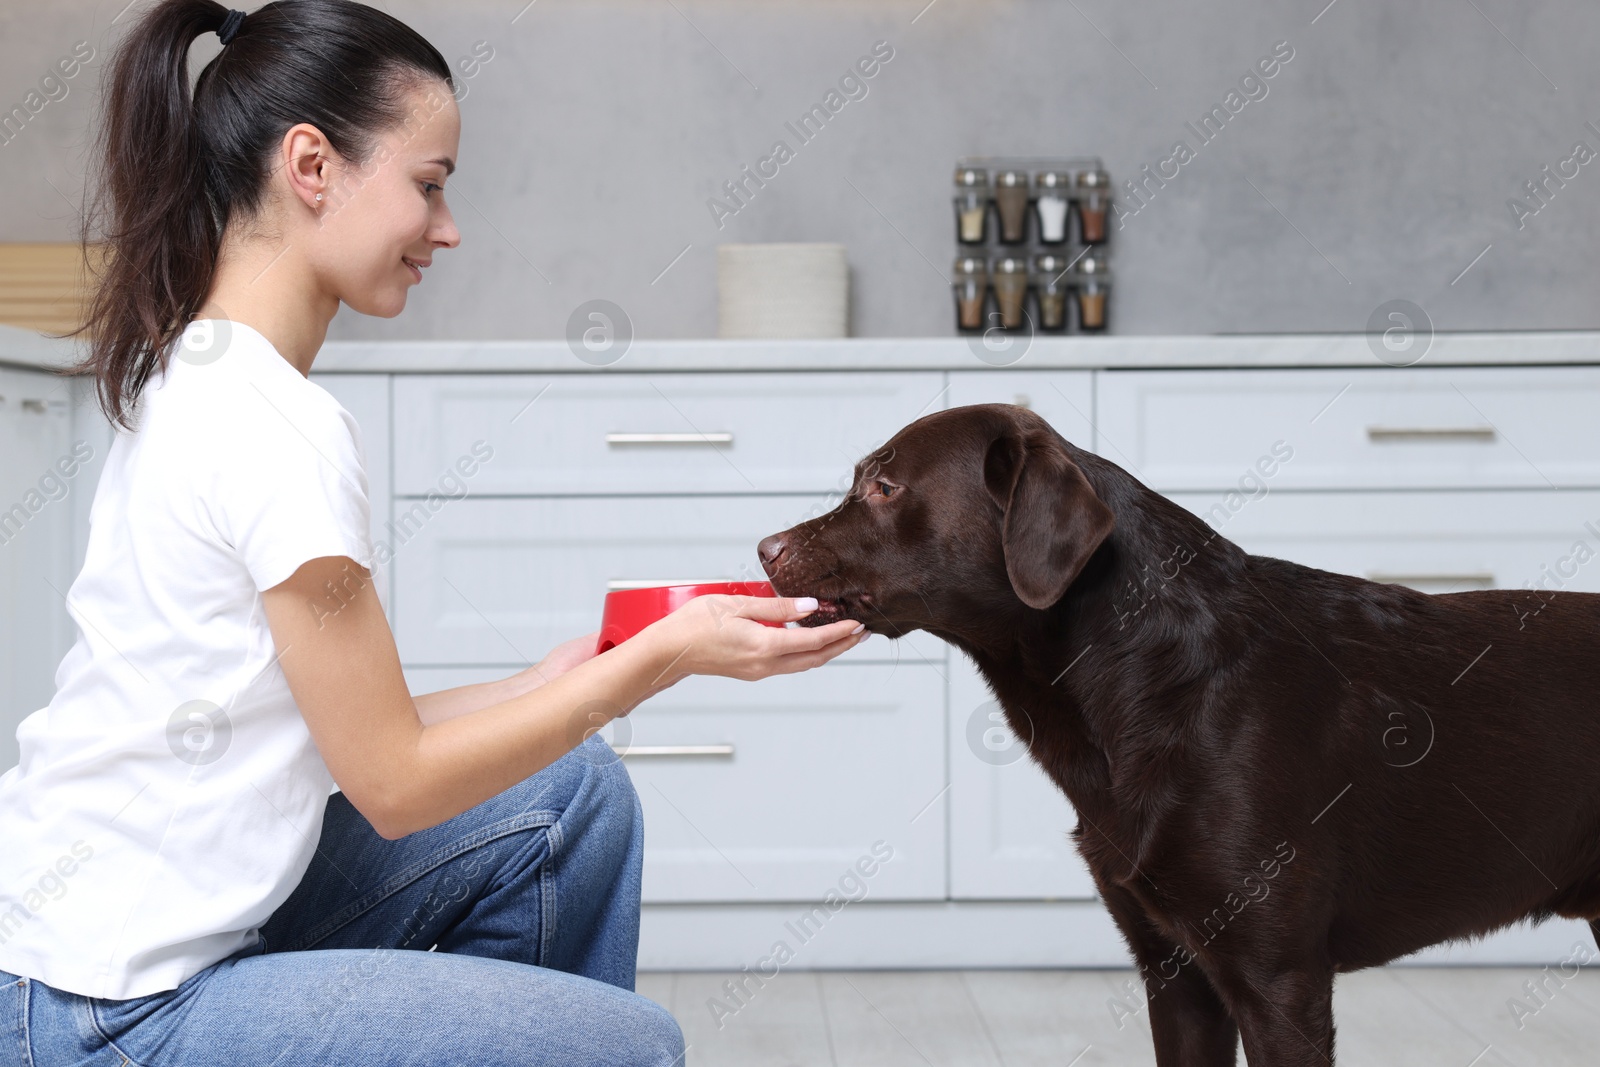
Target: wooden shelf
{"x": 42, "y": 286}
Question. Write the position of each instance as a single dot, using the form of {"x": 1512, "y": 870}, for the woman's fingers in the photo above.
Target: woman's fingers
{"x": 809, "y": 639}
{"x": 773, "y": 608}
{"x": 806, "y": 658}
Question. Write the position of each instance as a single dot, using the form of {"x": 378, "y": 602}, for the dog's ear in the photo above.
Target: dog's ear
{"x": 1053, "y": 519}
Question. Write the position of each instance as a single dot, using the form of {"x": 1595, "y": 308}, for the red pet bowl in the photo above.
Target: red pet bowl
{"x": 628, "y": 611}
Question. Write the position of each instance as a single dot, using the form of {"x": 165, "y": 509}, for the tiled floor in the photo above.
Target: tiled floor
{"x": 1393, "y": 1017}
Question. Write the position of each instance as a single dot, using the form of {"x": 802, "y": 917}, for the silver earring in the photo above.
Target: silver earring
{"x": 319, "y": 196}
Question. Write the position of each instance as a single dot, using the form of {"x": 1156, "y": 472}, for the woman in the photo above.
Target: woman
{"x": 177, "y": 885}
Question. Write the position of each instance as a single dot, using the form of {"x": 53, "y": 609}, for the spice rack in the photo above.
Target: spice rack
{"x": 1031, "y": 237}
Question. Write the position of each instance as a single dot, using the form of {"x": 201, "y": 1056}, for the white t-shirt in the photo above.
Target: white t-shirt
{"x": 170, "y": 797}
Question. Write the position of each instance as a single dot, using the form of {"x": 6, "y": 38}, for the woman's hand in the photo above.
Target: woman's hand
{"x": 565, "y": 656}
{"x": 723, "y": 635}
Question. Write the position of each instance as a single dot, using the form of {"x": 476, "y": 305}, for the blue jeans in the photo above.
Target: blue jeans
{"x": 530, "y": 899}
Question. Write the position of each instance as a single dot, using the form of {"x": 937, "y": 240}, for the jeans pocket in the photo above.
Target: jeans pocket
{"x": 42, "y": 1025}
{"x": 13, "y": 1021}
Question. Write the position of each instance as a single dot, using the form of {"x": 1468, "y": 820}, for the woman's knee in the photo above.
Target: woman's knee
{"x": 657, "y": 1038}
{"x": 588, "y": 774}
{"x": 614, "y": 800}
{"x": 620, "y": 1029}
{"x": 608, "y": 786}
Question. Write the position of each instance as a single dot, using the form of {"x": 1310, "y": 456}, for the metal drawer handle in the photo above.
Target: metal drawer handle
{"x": 675, "y": 750}
{"x": 648, "y": 583}
{"x": 1429, "y": 433}
{"x": 669, "y": 438}
{"x": 1483, "y": 577}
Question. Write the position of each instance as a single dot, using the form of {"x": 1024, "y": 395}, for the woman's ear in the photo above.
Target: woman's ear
{"x": 1053, "y": 522}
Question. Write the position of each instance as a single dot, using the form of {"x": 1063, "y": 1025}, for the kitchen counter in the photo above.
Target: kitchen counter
{"x": 23, "y": 348}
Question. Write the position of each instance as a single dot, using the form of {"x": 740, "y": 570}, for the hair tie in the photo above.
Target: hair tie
{"x": 230, "y": 26}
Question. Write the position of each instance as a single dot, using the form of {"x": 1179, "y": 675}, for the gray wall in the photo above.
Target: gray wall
{"x": 1378, "y": 165}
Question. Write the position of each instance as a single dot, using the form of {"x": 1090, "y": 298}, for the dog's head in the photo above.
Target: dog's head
{"x": 962, "y": 514}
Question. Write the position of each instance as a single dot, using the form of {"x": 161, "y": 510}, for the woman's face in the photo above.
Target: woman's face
{"x": 378, "y": 218}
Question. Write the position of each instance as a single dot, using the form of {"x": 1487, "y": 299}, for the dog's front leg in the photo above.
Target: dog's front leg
{"x": 1188, "y": 1020}
{"x": 1285, "y": 1015}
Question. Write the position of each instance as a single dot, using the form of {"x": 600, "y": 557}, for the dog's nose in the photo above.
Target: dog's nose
{"x": 770, "y": 550}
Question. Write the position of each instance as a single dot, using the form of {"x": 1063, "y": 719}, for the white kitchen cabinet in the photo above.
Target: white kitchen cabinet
{"x": 36, "y": 541}
{"x": 1396, "y": 428}
{"x": 767, "y": 791}
{"x": 665, "y": 433}
{"x": 1439, "y": 542}
{"x": 499, "y": 580}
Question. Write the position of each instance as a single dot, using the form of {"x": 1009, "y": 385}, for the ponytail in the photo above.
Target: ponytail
{"x": 172, "y": 171}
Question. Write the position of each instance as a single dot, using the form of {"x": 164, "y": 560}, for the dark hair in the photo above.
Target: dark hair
{"x": 173, "y": 170}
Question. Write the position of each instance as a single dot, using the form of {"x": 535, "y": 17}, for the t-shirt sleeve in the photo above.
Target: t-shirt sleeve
{"x": 297, "y": 489}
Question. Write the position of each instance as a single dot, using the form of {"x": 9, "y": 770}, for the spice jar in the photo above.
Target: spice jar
{"x": 1010, "y": 277}
{"x": 1052, "y": 199}
{"x": 1011, "y": 201}
{"x": 1093, "y": 283}
{"x": 972, "y": 205}
{"x": 1094, "y": 198}
{"x": 970, "y": 281}
{"x": 1050, "y": 287}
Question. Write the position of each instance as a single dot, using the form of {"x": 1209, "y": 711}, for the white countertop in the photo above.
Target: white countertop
{"x": 23, "y": 348}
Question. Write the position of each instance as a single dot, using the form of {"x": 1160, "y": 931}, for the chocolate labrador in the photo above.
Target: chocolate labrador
{"x": 1280, "y": 773}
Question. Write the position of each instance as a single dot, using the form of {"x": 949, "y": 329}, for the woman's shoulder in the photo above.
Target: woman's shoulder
{"x": 238, "y": 392}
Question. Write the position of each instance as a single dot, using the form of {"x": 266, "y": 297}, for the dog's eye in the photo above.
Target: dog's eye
{"x": 885, "y": 489}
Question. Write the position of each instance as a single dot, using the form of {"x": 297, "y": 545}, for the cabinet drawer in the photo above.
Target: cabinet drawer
{"x": 1064, "y": 398}
{"x": 504, "y": 581}
{"x": 1367, "y": 429}
{"x": 1438, "y": 542}
{"x": 678, "y": 433}
{"x": 809, "y": 770}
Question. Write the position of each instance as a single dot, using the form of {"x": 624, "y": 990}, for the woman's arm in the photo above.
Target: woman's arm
{"x": 448, "y": 703}
{"x": 405, "y": 775}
